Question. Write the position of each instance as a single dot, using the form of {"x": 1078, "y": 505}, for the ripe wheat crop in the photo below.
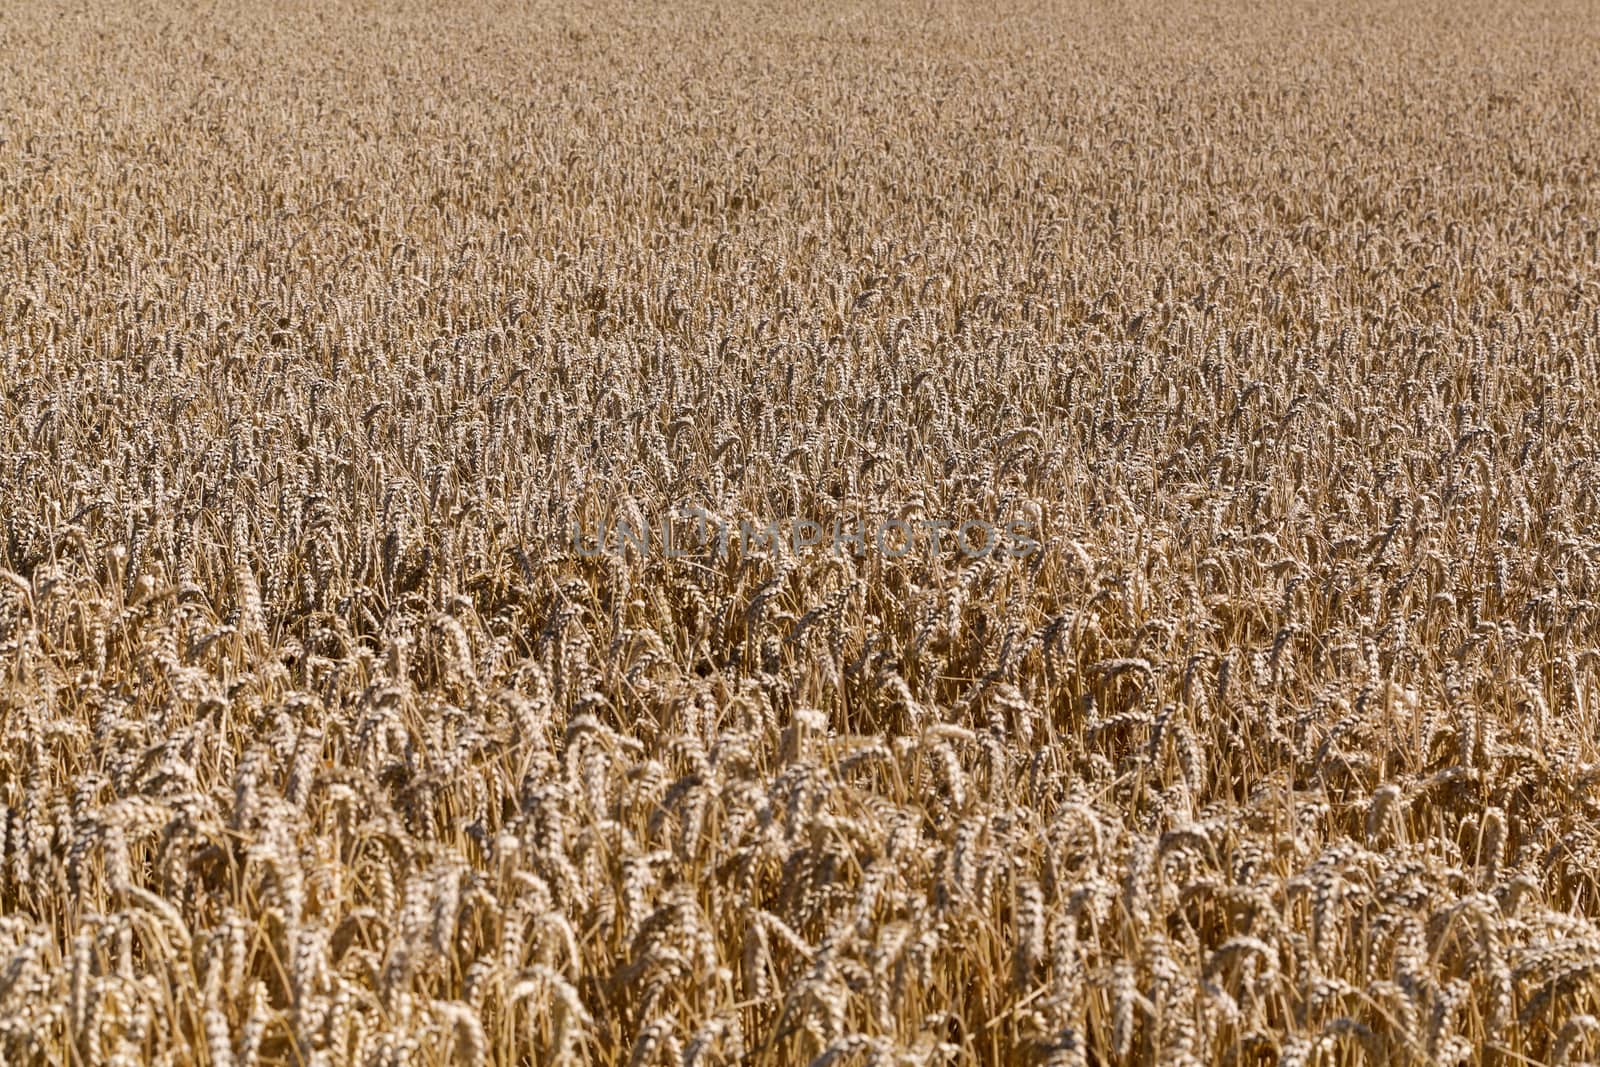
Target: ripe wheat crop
{"x": 1160, "y": 621}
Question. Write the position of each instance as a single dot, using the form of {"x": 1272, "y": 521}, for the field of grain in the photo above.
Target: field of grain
{"x": 333, "y": 335}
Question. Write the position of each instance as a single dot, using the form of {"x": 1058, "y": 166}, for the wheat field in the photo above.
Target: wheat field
{"x": 932, "y": 533}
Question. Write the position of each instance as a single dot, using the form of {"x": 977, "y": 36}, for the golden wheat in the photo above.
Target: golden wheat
{"x": 902, "y": 534}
